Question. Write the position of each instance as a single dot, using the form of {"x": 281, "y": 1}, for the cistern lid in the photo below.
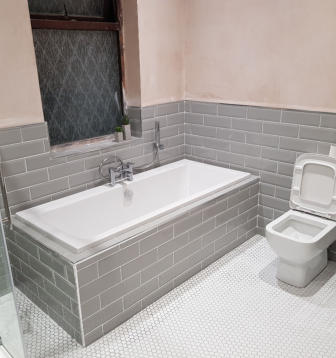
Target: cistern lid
{"x": 313, "y": 185}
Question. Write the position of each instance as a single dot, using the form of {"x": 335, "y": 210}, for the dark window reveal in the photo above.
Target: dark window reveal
{"x": 79, "y": 71}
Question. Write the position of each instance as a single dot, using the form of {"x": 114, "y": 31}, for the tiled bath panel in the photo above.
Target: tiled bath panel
{"x": 46, "y": 278}
{"x": 233, "y": 308}
{"x": 95, "y": 295}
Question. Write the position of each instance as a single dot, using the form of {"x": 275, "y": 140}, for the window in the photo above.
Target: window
{"x": 78, "y": 61}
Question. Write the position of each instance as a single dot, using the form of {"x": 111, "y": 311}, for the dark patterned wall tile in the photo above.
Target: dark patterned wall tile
{"x": 80, "y": 82}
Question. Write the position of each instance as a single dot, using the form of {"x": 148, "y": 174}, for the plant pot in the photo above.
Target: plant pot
{"x": 127, "y": 131}
{"x": 118, "y": 136}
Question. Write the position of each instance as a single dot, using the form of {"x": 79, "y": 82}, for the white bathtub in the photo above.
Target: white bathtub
{"x": 87, "y": 219}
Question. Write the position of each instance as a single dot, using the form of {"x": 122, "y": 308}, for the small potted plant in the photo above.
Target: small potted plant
{"x": 118, "y": 134}
{"x": 126, "y": 127}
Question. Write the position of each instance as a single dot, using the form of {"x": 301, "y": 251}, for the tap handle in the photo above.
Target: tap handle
{"x": 129, "y": 165}
{"x": 112, "y": 176}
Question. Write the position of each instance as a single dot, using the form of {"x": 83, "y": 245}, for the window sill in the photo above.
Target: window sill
{"x": 90, "y": 145}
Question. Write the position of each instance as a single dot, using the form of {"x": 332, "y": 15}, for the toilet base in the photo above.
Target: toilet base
{"x": 301, "y": 275}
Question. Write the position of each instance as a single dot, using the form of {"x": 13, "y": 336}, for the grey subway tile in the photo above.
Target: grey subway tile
{"x": 156, "y": 239}
{"x": 246, "y": 149}
{"x": 301, "y": 117}
{"x": 147, "y": 112}
{"x": 261, "y": 164}
{"x": 155, "y": 295}
{"x": 93, "y": 336}
{"x": 158, "y": 267}
{"x": 167, "y": 108}
{"x": 285, "y": 169}
{"x": 50, "y": 187}
{"x": 58, "y": 294}
{"x": 266, "y": 140}
{"x": 66, "y": 287}
{"x": 51, "y": 261}
{"x": 18, "y": 197}
{"x": 282, "y": 193}
{"x": 42, "y": 269}
{"x": 214, "y": 234}
{"x": 281, "y": 129}
{"x": 121, "y": 317}
{"x": 94, "y": 288}
{"x": 102, "y": 316}
{"x": 231, "y": 158}
{"x": 281, "y": 155}
{"x": 176, "y": 118}
{"x": 328, "y": 120}
{"x": 87, "y": 274}
{"x": 138, "y": 264}
{"x": 226, "y": 216}
{"x": 232, "y": 110}
{"x": 10, "y": 136}
{"x": 119, "y": 290}
{"x": 84, "y": 178}
{"x": 238, "y": 198}
{"x": 273, "y": 202}
{"x": 267, "y": 189}
{"x": 226, "y": 240}
{"x": 187, "y": 250}
{"x": 204, "y": 107}
{"x": 217, "y": 121}
{"x": 320, "y": 134}
{"x": 141, "y": 292}
{"x": 216, "y": 144}
{"x": 194, "y": 118}
{"x": 213, "y": 210}
{"x": 27, "y": 179}
{"x": 204, "y": 153}
{"x": 13, "y": 167}
{"x": 187, "y": 223}
{"x": 90, "y": 307}
{"x": 117, "y": 259}
{"x": 247, "y": 125}
{"x": 204, "y": 131}
{"x": 21, "y": 150}
{"x": 66, "y": 169}
{"x": 43, "y": 160}
{"x": 173, "y": 245}
{"x": 299, "y": 145}
{"x": 276, "y": 179}
{"x": 265, "y": 114}
{"x": 36, "y": 131}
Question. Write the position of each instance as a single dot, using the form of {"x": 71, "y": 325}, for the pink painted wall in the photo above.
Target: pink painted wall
{"x": 20, "y": 101}
{"x": 262, "y": 52}
{"x": 132, "y": 95}
{"x": 161, "y": 43}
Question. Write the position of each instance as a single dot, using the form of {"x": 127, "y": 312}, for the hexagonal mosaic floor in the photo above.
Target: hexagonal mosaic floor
{"x": 234, "y": 308}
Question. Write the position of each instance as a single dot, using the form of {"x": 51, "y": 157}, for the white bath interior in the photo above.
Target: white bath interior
{"x": 86, "y": 219}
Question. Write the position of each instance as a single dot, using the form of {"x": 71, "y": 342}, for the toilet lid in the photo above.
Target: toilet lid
{"x": 313, "y": 185}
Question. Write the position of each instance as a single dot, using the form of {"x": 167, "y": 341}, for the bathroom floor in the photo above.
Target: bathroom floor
{"x": 234, "y": 308}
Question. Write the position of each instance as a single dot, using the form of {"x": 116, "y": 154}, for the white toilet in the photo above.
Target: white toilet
{"x": 301, "y": 236}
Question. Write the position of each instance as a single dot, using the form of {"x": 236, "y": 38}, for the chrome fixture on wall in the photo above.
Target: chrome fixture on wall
{"x": 3, "y": 192}
{"x": 119, "y": 173}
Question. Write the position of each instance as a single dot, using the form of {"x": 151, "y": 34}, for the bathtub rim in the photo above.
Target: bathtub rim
{"x": 76, "y": 258}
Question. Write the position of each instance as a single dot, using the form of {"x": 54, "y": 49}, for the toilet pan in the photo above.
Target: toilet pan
{"x": 301, "y": 236}
{"x": 300, "y": 240}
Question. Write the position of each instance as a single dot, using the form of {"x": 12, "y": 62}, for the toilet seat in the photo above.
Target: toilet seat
{"x": 299, "y": 238}
{"x": 313, "y": 185}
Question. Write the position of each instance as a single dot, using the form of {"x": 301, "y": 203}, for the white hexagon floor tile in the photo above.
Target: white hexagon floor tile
{"x": 234, "y": 308}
